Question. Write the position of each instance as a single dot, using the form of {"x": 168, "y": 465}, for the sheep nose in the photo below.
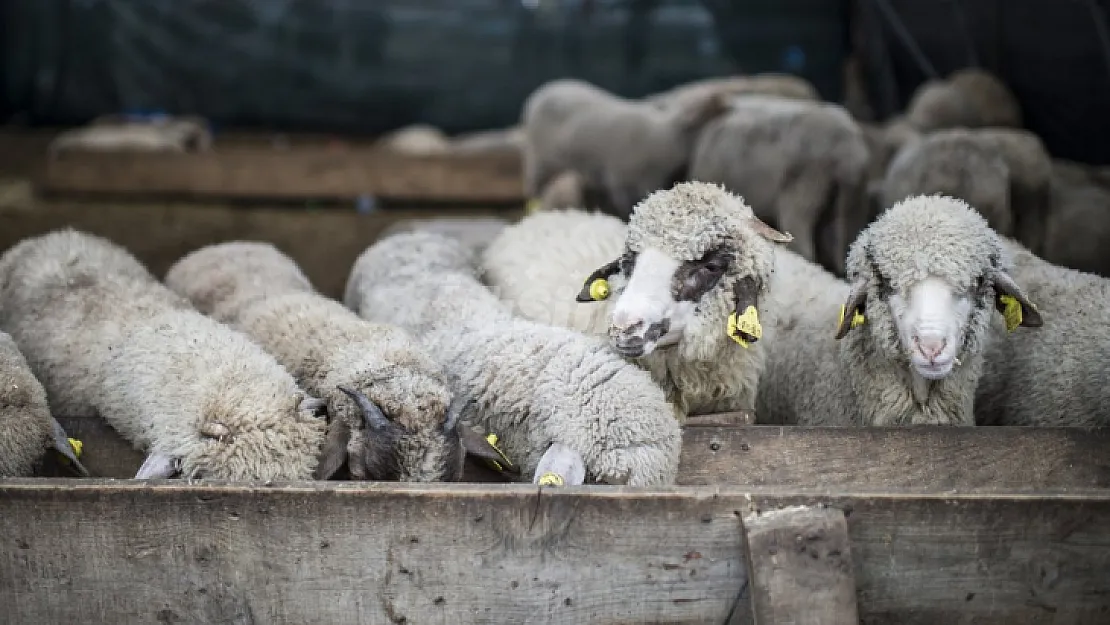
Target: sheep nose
{"x": 930, "y": 347}
{"x": 626, "y": 324}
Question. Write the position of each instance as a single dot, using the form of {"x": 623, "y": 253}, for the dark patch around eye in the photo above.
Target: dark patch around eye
{"x": 696, "y": 277}
{"x": 882, "y": 283}
{"x": 627, "y": 262}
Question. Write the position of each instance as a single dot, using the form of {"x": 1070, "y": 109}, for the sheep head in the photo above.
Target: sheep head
{"x": 696, "y": 256}
{"x": 924, "y": 279}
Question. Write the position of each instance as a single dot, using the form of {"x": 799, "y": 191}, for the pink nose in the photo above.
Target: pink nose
{"x": 625, "y": 323}
{"x": 930, "y": 347}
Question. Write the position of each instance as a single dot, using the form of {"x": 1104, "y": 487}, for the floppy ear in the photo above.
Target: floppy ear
{"x": 333, "y": 455}
{"x": 476, "y": 445}
{"x": 596, "y": 287}
{"x": 1012, "y": 302}
{"x": 560, "y": 466}
{"x": 743, "y": 323}
{"x": 60, "y": 443}
{"x": 158, "y": 466}
{"x": 857, "y": 299}
{"x": 769, "y": 233}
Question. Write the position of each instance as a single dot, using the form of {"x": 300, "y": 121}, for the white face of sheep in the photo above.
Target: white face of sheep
{"x": 662, "y": 297}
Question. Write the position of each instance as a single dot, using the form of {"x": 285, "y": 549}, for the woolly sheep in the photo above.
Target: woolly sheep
{"x": 1056, "y": 376}
{"x": 692, "y": 259}
{"x": 925, "y": 278}
{"x": 416, "y": 140}
{"x": 475, "y": 232}
{"x": 27, "y": 429}
{"x": 969, "y": 98}
{"x": 1077, "y": 234}
{"x": 773, "y": 84}
{"x": 392, "y": 415}
{"x": 798, "y": 164}
{"x": 561, "y": 402}
{"x": 626, "y": 147}
{"x": 104, "y": 337}
{"x": 117, "y": 133}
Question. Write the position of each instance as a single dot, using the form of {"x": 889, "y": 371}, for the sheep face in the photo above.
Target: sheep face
{"x": 924, "y": 279}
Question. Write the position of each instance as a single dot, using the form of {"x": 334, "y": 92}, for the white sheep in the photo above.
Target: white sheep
{"x": 1056, "y": 376}
{"x": 771, "y": 83}
{"x": 628, "y": 148}
{"x": 902, "y": 343}
{"x": 391, "y": 411}
{"x": 561, "y": 403}
{"x": 682, "y": 285}
{"x": 105, "y": 338}
{"x": 968, "y": 98}
{"x": 475, "y": 232}
{"x": 415, "y": 140}
{"x": 798, "y": 164}
{"x": 116, "y": 133}
{"x": 1077, "y": 234}
{"x": 27, "y": 429}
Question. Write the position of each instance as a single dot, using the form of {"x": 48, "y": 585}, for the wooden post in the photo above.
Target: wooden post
{"x": 800, "y": 567}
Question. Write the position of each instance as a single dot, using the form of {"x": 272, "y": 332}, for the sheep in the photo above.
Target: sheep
{"x": 119, "y": 133}
{"x": 968, "y": 98}
{"x": 392, "y": 415}
{"x": 565, "y": 407}
{"x": 1077, "y": 234}
{"x": 914, "y": 320}
{"x": 27, "y": 429}
{"x": 415, "y": 140}
{"x": 1056, "y": 376}
{"x": 799, "y": 164}
{"x": 106, "y": 338}
{"x": 680, "y": 287}
{"x": 475, "y": 232}
{"x": 773, "y": 84}
{"x": 626, "y": 147}
{"x": 948, "y": 161}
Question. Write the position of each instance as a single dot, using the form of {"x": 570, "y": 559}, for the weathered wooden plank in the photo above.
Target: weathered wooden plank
{"x": 932, "y": 457}
{"x": 801, "y": 563}
{"x": 722, "y": 419}
{"x": 324, "y": 242}
{"x": 302, "y": 172}
{"x": 125, "y": 552}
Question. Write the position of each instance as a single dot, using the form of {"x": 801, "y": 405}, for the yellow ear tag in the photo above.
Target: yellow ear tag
{"x": 748, "y": 323}
{"x": 76, "y": 445}
{"x": 551, "y": 479}
{"x": 492, "y": 440}
{"x": 857, "y": 318}
{"x": 599, "y": 289}
{"x": 531, "y": 206}
{"x": 1011, "y": 312}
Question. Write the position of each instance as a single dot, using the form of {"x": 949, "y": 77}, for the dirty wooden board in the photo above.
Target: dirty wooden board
{"x": 127, "y": 552}
{"x": 937, "y": 458}
{"x": 324, "y": 242}
{"x": 933, "y": 457}
{"x": 302, "y": 172}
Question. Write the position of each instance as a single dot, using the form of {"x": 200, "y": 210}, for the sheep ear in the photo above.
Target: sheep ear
{"x": 334, "y": 453}
{"x": 857, "y": 299}
{"x": 560, "y": 466}
{"x": 158, "y": 466}
{"x": 61, "y": 444}
{"x": 476, "y": 445}
{"x": 743, "y": 323}
{"x": 1012, "y": 302}
{"x": 769, "y": 233}
{"x": 596, "y": 286}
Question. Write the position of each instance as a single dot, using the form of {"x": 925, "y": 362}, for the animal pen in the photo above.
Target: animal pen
{"x": 766, "y": 524}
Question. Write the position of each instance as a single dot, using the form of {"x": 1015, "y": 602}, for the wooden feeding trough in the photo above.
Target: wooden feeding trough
{"x": 767, "y": 525}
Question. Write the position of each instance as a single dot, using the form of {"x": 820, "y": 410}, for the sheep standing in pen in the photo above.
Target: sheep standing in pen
{"x": 968, "y": 98}
{"x": 563, "y": 404}
{"x": 1056, "y": 376}
{"x": 392, "y": 414}
{"x": 908, "y": 349}
{"x": 105, "y": 338}
{"x": 799, "y": 164}
{"x": 1077, "y": 234}
{"x": 27, "y": 429}
{"x": 625, "y": 147}
{"x": 679, "y": 290}
{"x": 773, "y": 84}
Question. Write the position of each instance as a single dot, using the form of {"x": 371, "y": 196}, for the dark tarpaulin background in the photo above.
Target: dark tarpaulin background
{"x": 365, "y": 66}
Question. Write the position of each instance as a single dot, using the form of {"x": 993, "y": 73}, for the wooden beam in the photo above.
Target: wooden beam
{"x": 302, "y": 172}
{"x": 129, "y": 552}
{"x": 801, "y": 563}
{"x": 934, "y": 458}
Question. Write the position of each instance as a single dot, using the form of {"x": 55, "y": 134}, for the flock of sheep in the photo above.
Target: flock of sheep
{"x": 572, "y": 346}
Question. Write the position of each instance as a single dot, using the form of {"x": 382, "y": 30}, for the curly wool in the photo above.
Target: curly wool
{"x": 325, "y": 345}
{"x": 533, "y": 385}
{"x": 865, "y": 379}
{"x": 26, "y": 427}
{"x": 105, "y": 338}
{"x": 1055, "y": 375}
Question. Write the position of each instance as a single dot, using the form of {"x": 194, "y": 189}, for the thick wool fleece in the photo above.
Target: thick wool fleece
{"x": 533, "y": 385}
{"x": 26, "y": 427}
{"x": 325, "y": 345}
{"x": 1055, "y": 375}
{"x": 865, "y": 378}
{"x": 106, "y": 338}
